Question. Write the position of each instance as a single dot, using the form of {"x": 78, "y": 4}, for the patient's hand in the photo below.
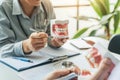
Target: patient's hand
{"x": 104, "y": 70}
{"x": 62, "y": 72}
{"x": 106, "y": 66}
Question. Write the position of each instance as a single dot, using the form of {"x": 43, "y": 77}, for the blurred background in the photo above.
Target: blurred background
{"x": 73, "y": 9}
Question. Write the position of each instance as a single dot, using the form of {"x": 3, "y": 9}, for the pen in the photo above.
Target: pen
{"x": 23, "y": 59}
{"x": 74, "y": 55}
{"x": 62, "y": 57}
{"x": 31, "y": 29}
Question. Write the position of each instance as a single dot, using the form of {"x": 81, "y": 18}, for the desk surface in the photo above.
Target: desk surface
{"x": 7, "y": 73}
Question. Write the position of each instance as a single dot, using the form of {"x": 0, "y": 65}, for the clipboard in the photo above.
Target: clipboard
{"x": 38, "y": 60}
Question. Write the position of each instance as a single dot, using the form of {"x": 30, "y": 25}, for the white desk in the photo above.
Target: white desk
{"x": 6, "y": 73}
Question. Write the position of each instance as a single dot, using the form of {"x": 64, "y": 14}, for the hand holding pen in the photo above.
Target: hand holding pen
{"x": 35, "y": 42}
{"x": 38, "y": 39}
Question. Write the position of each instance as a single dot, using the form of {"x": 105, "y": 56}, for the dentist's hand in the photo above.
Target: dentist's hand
{"x": 57, "y": 42}
{"x": 36, "y": 41}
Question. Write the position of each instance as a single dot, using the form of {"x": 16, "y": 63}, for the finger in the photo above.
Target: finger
{"x": 64, "y": 72}
{"x": 58, "y": 42}
{"x": 42, "y": 35}
{"x": 107, "y": 61}
{"x": 38, "y": 47}
{"x": 61, "y": 72}
{"x": 45, "y": 40}
{"x": 38, "y": 44}
{"x": 64, "y": 40}
{"x": 39, "y": 35}
{"x": 105, "y": 64}
{"x": 40, "y": 40}
{"x": 55, "y": 43}
{"x": 36, "y": 40}
{"x": 34, "y": 35}
{"x": 76, "y": 69}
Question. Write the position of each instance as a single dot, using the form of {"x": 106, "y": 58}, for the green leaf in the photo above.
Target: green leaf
{"x": 80, "y": 32}
{"x": 105, "y": 19}
{"x": 96, "y": 7}
{"x": 102, "y": 6}
{"x": 92, "y": 33}
{"x": 117, "y": 5}
{"x": 86, "y": 18}
{"x": 116, "y": 21}
{"x": 106, "y": 5}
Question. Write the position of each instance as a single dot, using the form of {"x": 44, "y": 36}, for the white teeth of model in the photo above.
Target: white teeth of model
{"x": 61, "y": 29}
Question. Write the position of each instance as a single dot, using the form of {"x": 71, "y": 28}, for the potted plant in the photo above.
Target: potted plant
{"x": 102, "y": 8}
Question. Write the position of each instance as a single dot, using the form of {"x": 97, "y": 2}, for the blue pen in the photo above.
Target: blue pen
{"x": 23, "y": 59}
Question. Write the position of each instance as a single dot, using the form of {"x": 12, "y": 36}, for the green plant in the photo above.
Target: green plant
{"x": 102, "y": 8}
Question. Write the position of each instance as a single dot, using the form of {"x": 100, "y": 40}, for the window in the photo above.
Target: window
{"x": 75, "y": 8}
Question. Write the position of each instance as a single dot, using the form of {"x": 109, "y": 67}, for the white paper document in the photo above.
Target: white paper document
{"x": 80, "y": 44}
